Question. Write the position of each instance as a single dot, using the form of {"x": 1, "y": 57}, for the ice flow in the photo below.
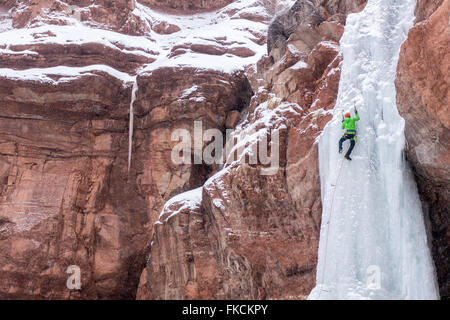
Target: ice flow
{"x": 373, "y": 242}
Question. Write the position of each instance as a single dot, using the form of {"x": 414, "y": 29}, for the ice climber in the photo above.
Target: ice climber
{"x": 349, "y": 124}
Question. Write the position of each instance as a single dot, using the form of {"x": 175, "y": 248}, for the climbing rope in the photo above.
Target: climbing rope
{"x": 328, "y": 228}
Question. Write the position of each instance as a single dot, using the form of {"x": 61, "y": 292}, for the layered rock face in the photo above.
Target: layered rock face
{"x": 78, "y": 78}
{"x": 251, "y": 231}
{"x": 67, "y": 80}
{"x": 171, "y": 99}
{"x": 422, "y": 98}
{"x": 115, "y": 15}
{"x": 307, "y": 16}
{"x": 242, "y": 235}
{"x": 67, "y": 197}
{"x": 187, "y": 5}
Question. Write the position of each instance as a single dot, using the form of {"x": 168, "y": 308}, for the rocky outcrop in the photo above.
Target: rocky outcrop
{"x": 303, "y": 18}
{"x": 425, "y": 8}
{"x": 171, "y": 99}
{"x": 248, "y": 234}
{"x": 112, "y": 15}
{"x": 187, "y": 5}
{"x": 67, "y": 197}
{"x": 422, "y": 98}
{"x": 245, "y": 235}
{"x": 26, "y": 56}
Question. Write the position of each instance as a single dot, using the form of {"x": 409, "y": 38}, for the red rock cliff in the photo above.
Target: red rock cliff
{"x": 244, "y": 234}
{"x": 67, "y": 70}
{"x": 422, "y": 98}
{"x": 68, "y": 198}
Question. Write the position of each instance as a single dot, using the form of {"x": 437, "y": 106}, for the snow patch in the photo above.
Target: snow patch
{"x": 189, "y": 200}
{"x": 66, "y": 74}
{"x": 299, "y": 65}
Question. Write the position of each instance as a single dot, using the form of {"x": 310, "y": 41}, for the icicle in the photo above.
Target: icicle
{"x": 131, "y": 126}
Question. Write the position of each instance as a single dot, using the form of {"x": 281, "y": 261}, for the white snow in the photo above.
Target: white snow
{"x": 5, "y": 21}
{"x": 299, "y": 65}
{"x": 190, "y": 200}
{"x": 211, "y": 28}
{"x": 330, "y": 45}
{"x": 373, "y": 243}
{"x": 66, "y": 73}
{"x": 218, "y": 203}
{"x": 189, "y": 91}
{"x": 247, "y": 134}
{"x": 23, "y": 52}
{"x": 79, "y": 34}
{"x": 198, "y": 99}
{"x": 293, "y": 49}
{"x": 205, "y": 29}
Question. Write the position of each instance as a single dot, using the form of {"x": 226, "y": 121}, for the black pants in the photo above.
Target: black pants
{"x": 350, "y": 137}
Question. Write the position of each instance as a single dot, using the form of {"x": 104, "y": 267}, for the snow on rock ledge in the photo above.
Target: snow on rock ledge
{"x": 184, "y": 202}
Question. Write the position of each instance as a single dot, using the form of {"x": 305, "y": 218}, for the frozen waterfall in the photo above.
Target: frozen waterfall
{"x": 373, "y": 241}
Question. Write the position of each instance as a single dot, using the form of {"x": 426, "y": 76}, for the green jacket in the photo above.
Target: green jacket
{"x": 349, "y": 123}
